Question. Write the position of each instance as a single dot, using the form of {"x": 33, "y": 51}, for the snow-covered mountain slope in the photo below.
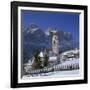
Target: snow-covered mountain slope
{"x": 69, "y": 62}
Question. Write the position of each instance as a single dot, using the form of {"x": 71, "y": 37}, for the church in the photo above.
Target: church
{"x": 53, "y": 53}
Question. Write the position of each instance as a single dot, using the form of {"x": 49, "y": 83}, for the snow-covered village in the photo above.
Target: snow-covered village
{"x": 51, "y": 61}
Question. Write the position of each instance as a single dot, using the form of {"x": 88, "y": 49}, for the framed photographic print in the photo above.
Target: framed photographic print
{"x": 48, "y": 44}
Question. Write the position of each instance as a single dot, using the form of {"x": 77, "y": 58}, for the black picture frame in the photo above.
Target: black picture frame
{"x": 14, "y": 44}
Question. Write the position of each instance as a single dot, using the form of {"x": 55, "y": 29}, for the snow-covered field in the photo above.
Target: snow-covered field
{"x": 69, "y": 62}
{"x": 68, "y": 73}
{"x": 56, "y": 74}
{"x": 65, "y": 73}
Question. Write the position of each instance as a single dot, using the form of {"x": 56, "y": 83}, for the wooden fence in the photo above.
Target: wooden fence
{"x": 54, "y": 68}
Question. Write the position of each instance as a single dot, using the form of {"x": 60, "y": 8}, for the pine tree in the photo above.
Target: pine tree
{"x": 37, "y": 60}
{"x": 46, "y": 60}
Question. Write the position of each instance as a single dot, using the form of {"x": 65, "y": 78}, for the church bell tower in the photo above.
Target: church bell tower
{"x": 55, "y": 42}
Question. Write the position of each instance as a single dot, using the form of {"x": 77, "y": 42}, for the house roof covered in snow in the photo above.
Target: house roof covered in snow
{"x": 41, "y": 54}
{"x": 52, "y": 58}
{"x": 71, "y": 51}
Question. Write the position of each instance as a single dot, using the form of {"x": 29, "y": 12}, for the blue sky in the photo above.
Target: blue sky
{"x": 68, "y": 22}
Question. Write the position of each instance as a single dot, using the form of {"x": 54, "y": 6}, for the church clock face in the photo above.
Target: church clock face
{"x": 55, "y": 40}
